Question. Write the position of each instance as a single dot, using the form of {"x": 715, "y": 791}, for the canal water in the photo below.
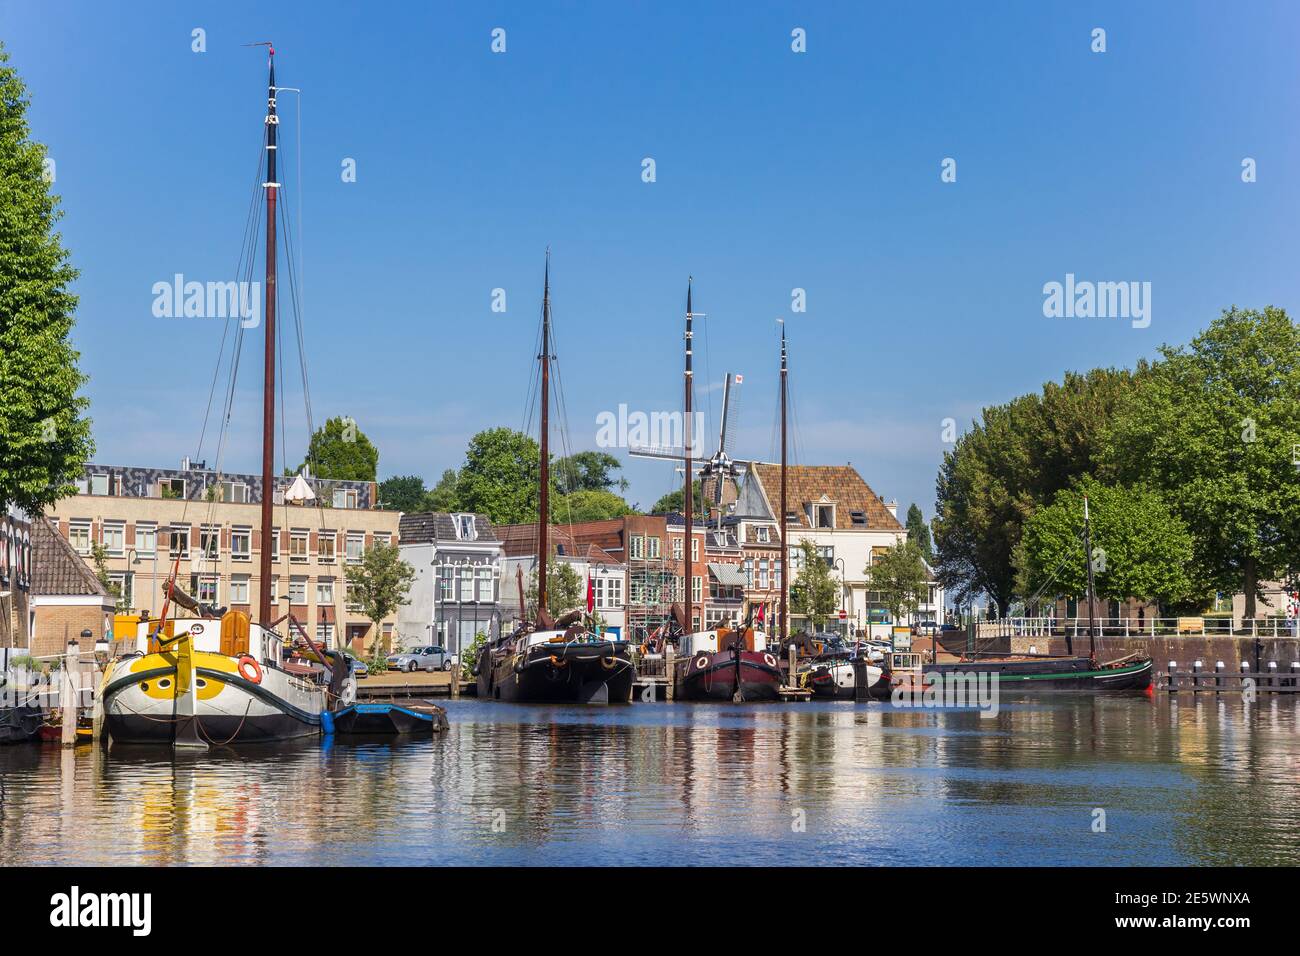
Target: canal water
{"x": 1061, "y": 780}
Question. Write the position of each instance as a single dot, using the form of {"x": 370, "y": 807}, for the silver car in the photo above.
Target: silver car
{"x": 428, "y": 658}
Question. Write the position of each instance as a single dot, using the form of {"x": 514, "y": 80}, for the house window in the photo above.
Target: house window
{"x": 859, "y": 518}
{"x": 465, "y": 529}
{"x": 444, "y": 583}
{"x": 326, "y": 542}
{"x": 485, "y": 582}
{"x": 298, "y": 538}
{"x": 776, "y": 575}
{"x": 171, "y": 487}
{"x": 720, "y": 539}
{"x": 239, "y": 589}
{"x": 345, "y": 498}
{"x": 99, "y": 484}
{"x": 275, "y": 544}
{"x": 613, "y": 592}
{"x": 146, "y": 540}
{"x": 467, "y": 583}
{"x": 638, "y": 546}
{"x": 356, "y": 546}
{"x": 762, "y": 573}
{"x": 827, "y": 553}
{"x": 297, "y": 590}
{"x": 791, "y": 517}
{"x": 115, "y": 538}
{"x": 179, "y": 541}
{"x": 324, "y": 590}
{"x": 748, "y": 566}
{"x": 677, "y": 549}
{"x": 275, "y": 589}
{"x": 210, "y": 540}
{"x": 325, "y": 635}
{"x": 381, "y": 538}
{"x": 697, "y": 589}
{"x": 122, "y": 582}
{"x": 762, "y": 534}
{"x": 823, "y": 516}
{"x": 235, "y": 491}
{"x": 652, "y": 547}
{"x": 351, "y": 604}
{"x": 241, "y": 543}
{"x": 204, "y": 588}
{"x": 79, "y": 536}
{"x": 695, "y": 548}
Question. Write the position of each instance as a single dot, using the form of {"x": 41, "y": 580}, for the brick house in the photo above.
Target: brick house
{"x": 66, "y": 596}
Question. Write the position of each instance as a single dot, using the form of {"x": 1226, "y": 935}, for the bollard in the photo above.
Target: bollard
{"x": 1196, "y": 674}
{"x": 670, "y": 672}
{"x": 1173, "y": 680}
{"x": 1218, "y": 676}
{"x": 68, "y": 694}
{"x": 1272, "y": 675}
{"x": 1295, "y": 673}
{"x": 454, "y": 673}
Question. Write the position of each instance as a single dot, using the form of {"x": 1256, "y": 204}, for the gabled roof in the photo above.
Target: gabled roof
{"x": 837, "y": 484}
{"x": 431, "y": 527}
{"x": 56, "y": 566}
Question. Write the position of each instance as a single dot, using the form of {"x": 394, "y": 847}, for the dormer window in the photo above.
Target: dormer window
{"x": 859, "y": 518}
{"x": 465, "y": 528}
{"x": 823, "y": 516}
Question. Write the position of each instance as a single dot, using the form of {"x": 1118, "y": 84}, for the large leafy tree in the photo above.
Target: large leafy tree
{"x": 814, "y": 593}
{"x": 1011, "y": 462}
{"x": 919, "y": 532}
{"x": 588, "y": 471}
{"x": 500, "y": 477}
{"x": 899, "y": 575}
{"x": 339, "y": 450}
{"x": 564, "y": 589}
{"x": 442, "y": 497}
{"x": 44, "y": 434}
{"x": 673, "y": 502}
{"x": 1140, "y": 549}
{"x": 403, "y": 493}
{"x": 379, "y": 584}
{"x": 1215, "y": 426}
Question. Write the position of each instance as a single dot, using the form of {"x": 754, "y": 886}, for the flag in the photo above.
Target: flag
{"x": 762, "y": 612}
{"x": 591, "y": 595}
{"x": 739, "y": 379}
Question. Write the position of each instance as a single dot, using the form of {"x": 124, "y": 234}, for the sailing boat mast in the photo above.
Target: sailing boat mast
{"x": 1087, "y": 553}
{"x": 781, "y": 522}
{"x": 687, "y": 503}
{"x": 544, "y": 506}
{"x": 265, "y": 609}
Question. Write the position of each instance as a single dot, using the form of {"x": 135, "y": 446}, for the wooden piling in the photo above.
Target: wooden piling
{"x": 68, "y": 693}
{"x": 670, "y": 672}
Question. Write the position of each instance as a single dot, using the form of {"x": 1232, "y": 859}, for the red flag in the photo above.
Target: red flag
{"x": 762, "y": 612}
{"x": 591, "y": 595}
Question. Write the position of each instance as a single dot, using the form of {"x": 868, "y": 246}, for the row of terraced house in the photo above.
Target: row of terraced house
{"x": 133, "y": 525}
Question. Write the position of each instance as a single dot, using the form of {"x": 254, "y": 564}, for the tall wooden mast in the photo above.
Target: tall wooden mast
{"x": 782, "y": 524}
{"x": 1087, "y": 554}
{"x": 265, "y": 609}
{"x": 687, "y": 503}
{"x": 544, "y": 506}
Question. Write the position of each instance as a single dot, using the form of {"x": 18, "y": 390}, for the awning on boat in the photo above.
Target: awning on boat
{"x": 728, "y": 575}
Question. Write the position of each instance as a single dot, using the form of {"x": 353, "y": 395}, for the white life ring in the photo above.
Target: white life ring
{"x": 701, "y": 661}
{"x": 769, "y": 660}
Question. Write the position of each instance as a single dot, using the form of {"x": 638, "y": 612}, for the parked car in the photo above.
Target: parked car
{"x": 359, "y": 668}
{"x": 431, "y": 657}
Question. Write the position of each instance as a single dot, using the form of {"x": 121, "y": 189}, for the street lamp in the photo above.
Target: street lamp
{"x": 843, "y": 574}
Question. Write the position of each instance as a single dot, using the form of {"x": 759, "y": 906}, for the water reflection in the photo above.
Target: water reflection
{"x": 1182, "y": 781}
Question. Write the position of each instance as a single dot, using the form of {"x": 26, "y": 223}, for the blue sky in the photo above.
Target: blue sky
{"x": 775, "y": 170}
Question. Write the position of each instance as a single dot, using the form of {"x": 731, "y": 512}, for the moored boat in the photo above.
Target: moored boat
{"x": 837, "y": 679}
{"x": 727, "y": 664}
{"x": 388, "y": 718}
{"x": 1043, "y": 672}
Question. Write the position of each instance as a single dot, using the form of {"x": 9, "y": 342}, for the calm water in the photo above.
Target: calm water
{"x": 1201, "y": 781}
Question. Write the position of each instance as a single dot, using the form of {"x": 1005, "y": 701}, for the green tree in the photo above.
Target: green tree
{"x": 44, "y": 436}
{"x": 379, "y": 585}
{"x": 1011, "y": 462}
{"x": 672, "y": 502}
{"x": 919, "y": 532}
{"x": 591, "y": 506}
{"x": 403, "y": 493}
{"x": 814, "y": 593}
{"x": 340, "y": 451}
{"x": 500, "y": 477}
{"x": 588, "y": 471}
{"x": 564, "y": 589}
{"x": 442, "y": 497}
{"x": 899, "y": 575}
{"x": 1140, "y": 549}
{"x": 1215, "y": 427}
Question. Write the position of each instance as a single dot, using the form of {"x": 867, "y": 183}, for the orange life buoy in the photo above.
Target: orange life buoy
{"x": 250, "y": 662}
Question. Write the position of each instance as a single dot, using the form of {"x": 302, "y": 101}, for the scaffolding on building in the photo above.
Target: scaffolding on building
{"x": 652, "y": 589}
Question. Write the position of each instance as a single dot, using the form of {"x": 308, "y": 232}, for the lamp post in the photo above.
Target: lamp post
{"x": 843, "y": 574}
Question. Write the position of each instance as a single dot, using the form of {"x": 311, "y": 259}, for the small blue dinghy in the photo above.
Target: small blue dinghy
{"x": 387, "y": 718}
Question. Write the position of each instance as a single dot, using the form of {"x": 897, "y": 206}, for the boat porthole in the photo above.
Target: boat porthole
{"x": 201, "y": 683}
{"x": 144, "y": 686}
{"x": 164, "y": 683}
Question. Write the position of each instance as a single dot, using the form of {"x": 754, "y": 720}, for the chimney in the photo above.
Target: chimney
{"x": 892, "y": 507}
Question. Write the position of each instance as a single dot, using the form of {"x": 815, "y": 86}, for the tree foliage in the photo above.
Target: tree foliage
{"x": 403, "y": 493}
{"x": 500, "y": 477}
{"x": 673, "y": 502}
{"x": 587, "y": 471}
{"x": 591, "y": 506}
{"x": 339, "y": 450}
{"x": 379, "y": 584}
{"x": 1140, "y": 549}
{"x": 814, "y": 593}
{"x": 1011, "y": 462}
{"x": 564, "y": 589}
{"x": 1216, "y": 428}
{"x": 919, "y": 532}
{"x": 44, "y": 434}
{"x": 899, "y": 575}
